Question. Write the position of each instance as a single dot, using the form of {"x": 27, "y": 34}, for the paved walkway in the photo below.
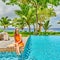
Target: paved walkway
{"x": 4, "y": 44}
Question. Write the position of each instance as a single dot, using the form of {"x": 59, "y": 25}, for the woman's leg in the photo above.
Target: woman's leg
{"x": 17, "y": 49}
{"x": 21, "y": 49}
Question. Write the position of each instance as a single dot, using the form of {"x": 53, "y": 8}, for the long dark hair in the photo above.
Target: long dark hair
{"x": 16, "y": 30}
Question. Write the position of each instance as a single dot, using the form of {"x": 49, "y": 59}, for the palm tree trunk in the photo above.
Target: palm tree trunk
{"x": 22, "y": 28}
{"x": 45, "y": 30}
{"x": 29, "y": 28}
{"x": 36, "y": 21}
{"x": 34, "y": 27}
{"x": 40, "y": 27}
{"x": 4, "y": 28}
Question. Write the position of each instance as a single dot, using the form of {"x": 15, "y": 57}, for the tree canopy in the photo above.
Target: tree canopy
{"x": 40, "y": 6}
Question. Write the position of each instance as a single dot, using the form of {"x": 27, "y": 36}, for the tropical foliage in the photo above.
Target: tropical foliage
{"x": 44, "y": 14}
{"x": 34, "y": 12}
{"x": 26, "y": 14}
{"x": 46, "y": 25}
{"x": 5, "y": 21}
{"x": 18, "y": 23}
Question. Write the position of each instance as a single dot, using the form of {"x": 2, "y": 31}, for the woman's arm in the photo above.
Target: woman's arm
{"x": 20, "y": 39}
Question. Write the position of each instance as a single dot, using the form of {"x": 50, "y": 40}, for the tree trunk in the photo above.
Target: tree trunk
{"x": 45, "y": 30}
{"x": 34, "y": 27}
{"x": 22, "y": 28}
{"x": 40, "y": 27}
{"x": 29, "y": 27}
{"x": 4, "y": 28}
{"x": 36, "y": 30}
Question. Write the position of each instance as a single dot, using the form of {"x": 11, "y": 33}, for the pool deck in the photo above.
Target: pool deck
{"x": 4, "y": 44}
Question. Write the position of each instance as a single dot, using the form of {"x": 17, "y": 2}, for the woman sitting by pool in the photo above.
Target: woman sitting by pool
{"x": 18, "y": 41}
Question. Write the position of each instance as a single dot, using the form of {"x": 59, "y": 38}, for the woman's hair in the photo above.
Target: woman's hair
{"x": 16, "y": 30}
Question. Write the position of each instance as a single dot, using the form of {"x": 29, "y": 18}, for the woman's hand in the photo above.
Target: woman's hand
{"x": 16, "y": 43}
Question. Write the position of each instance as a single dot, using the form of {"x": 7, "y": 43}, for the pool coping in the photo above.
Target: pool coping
{"x": 7, "y": 49}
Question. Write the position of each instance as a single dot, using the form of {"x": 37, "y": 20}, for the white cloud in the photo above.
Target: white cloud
{"x": 1, "y": 11}
{"x": 7, "y": 10}
{"x": 54, "y": 20}
{"x": 57, "y": 10}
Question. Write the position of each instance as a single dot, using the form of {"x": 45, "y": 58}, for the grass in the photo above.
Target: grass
{"x": 32, "y": 33}
{"x": 49, "y": 33}
{"x": 23, "y": 33}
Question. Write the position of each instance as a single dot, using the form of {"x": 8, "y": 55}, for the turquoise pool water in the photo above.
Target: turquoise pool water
{"x": 37, "y": 48}
{"x": 42, "y": 48}
{"x": 8, "y": 56}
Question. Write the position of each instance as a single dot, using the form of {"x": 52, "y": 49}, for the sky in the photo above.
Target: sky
{"x": 8, "y": 10}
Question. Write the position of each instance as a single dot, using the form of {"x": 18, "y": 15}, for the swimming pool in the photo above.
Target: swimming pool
{"x": 8, "y": 56}
{"x": 37, "y": 48}
{"x": 42, "y": 48}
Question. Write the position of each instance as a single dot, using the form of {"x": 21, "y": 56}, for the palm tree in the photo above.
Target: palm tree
{"x": 17, "y": 2}
{"x": 14, "y": 22}
{"x": 46, "y": 25}
{"x": 4, "y": 21}
{"x": 36, "y": 4}
{"x": 42, "y": 4}
{"x": 26, "y": 13}
{"x": 17, "y": 22}
{"x": 44, "y": 14}
{"x": 21, "y": 24}
{"x": 33, "y": 22}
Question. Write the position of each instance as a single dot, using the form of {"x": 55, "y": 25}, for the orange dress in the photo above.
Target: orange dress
{"x": 19, "y": 40}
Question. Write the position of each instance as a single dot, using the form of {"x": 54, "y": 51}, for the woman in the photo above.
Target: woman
{"x": 18, "y": 40}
